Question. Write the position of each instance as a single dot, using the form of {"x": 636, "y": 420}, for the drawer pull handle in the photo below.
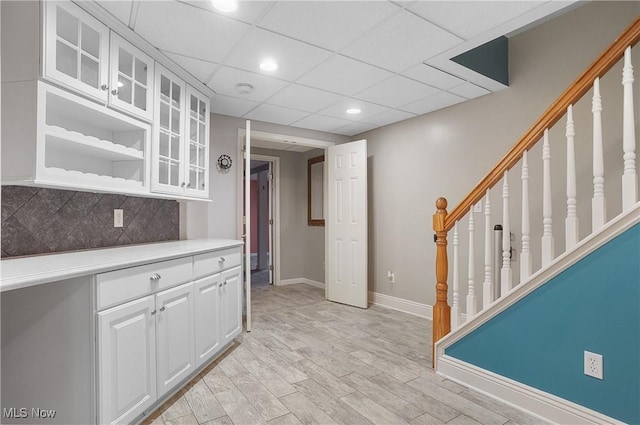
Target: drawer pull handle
{"x": 153, "y": 312}
{"x": 221, "y": 259}
{"x": 155, "y": 277}
{"x": 162, "y": 308}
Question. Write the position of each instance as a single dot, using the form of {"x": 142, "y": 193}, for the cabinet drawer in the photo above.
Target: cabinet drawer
{"x": 216, "y": 261}
{"x": 122, "y": 285}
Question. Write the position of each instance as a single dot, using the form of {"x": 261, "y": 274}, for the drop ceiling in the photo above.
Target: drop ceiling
{"x": 389, "y": 59}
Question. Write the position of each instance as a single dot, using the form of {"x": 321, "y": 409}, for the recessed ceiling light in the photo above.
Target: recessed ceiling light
{"x": 268, "y": 65}
{"x": 353, "y": 111}
{"x": 225, "y": 5}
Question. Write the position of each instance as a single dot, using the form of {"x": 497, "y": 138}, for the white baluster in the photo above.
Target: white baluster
{"x": 629, "y": 177}
{"x": 487, "y": 286}
{"x": 506, "y": 272}
{"x": 471, "y": 293}
{"x": 456, "y": 318}
{"x": 571, "y": 222}
{"x": 525, "y": 254}
{"x": 547, "y": 234}
{"x": 598, "y": 203}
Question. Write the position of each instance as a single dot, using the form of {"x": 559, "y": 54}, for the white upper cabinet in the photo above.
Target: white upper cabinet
{"x": 197, "y": 145}
{"x": 76, "y": 47}
{"x": 131, "y": 79}
{"x": 180, "y": 138}
{"x": 168, "y": 134}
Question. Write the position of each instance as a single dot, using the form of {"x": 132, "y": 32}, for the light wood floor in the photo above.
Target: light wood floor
{"x": 310, "y": 361}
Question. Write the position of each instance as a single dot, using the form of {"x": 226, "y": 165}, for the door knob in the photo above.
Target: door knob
{"x": 155, "y": 277}
{"x": 104, "y": 87}
{"x": 114, "y": 92}
{"x": 163, "y": 308}
{"x": 153, "y": 312}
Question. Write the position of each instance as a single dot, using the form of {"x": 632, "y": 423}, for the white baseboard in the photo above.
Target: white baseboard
{"x": 400, "y": 304}
{"x": 546, "y": 406}
{"x": 304, "y": 280}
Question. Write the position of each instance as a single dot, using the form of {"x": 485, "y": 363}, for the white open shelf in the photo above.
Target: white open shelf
{"x": 70, "y": 140}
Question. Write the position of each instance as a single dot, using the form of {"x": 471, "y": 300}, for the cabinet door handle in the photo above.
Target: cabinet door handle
{"x": 155, "y": 277}
{"x": 163, "y": 308}
{"x": 225, "y": 283}
{"x": 153, "y": 312}
{"x": 104, "y": 87}
{"x": 114, "y": 92}
{"x": 183, "y": 184}
{"x": 220, "y": 285}
{"x": 221, "y": 259}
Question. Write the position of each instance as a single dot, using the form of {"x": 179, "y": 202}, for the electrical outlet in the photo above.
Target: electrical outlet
{"x": 118, "y": 218}
{"x": 391, "y": 276}
{"x": 593, "y": 364}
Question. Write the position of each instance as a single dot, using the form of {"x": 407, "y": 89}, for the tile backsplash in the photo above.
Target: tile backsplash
{"x": 38, "y": 221}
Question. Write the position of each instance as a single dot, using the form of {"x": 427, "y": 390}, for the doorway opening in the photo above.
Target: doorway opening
{"x": 263, "y": 228}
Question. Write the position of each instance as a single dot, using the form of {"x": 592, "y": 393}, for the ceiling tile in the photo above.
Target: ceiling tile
{"x": 468, "y": 19}
{"x": 293, "y": 57}
{"x": 401, "y": 42}
{"x": 121, "y": 9}
{"x": 304, "y": 98}
{"x": 275, "y": 114}
{"x": 207, "y": 36}
{"x": 343, "y": 75}
{"x": 226, "y": 79}
{"x": 200, "y": 69}
{"x": 354, "y": 128}
{"x": 233, "y": 106}
{"x": 389, "y": 117}
{"x": 320, "y": 122}
{"x": 367, "y": 109}
{"x": 432, "y": 103}
{"x": 469, "y": 90}
{"x": 328, "y": 24}
{"x": 248, "y": 11}
{"x": 432, "y": 76}
{"x": 396, "y": 91}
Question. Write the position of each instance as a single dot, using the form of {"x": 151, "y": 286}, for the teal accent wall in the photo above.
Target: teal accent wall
{"x": 540, "y": 341}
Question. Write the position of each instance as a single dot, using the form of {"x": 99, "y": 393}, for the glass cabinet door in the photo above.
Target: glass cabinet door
{"x": 198, "y": 144}
{"x": 76, "y": 46}
{"x": 168, "y": 142}
{"x": 131, "y": 82}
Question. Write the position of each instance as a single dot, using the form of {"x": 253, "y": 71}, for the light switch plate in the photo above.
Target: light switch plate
{"x": 118, "y": 218}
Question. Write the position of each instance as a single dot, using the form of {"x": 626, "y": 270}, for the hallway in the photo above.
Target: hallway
{"x": 311, "y": 361}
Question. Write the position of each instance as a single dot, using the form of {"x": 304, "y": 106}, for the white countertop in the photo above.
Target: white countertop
{"x": 22, "y": 272}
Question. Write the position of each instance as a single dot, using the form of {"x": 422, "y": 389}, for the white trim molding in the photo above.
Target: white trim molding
{"x": 406, "y": 306}
{"x": 304, "y": 280}
{"x": 538, "y": 403}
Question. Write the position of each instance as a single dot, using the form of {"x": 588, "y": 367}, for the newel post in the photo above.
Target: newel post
{"x": 441, "y": 309}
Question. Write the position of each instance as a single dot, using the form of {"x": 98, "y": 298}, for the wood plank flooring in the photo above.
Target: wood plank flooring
{"x": 310, "y": 361}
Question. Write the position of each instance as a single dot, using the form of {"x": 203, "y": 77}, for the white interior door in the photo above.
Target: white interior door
{"x": 270, "y": 208}
{"x": 247, "y": 226}
{"x": 346, "y": 224}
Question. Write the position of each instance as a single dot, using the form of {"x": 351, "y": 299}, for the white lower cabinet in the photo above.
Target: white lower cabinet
{"x": 126, "y": 360}
{"x": 207, "y": 313}
{"x": 149, "y": 345}
{"x": 175, "y": 336}
{"x": 231, "y": 304}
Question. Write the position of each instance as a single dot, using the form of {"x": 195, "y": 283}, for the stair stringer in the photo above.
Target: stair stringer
{"x": 539, "y": 403}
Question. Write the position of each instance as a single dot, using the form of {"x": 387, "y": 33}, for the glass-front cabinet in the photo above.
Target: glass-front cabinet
{"x": 131, "y": 79}
{"x": 181, "y": 138}
{"x": 168, "y": 141}
{"x": 76, "y": 49}
{"x": 198, "y": 144}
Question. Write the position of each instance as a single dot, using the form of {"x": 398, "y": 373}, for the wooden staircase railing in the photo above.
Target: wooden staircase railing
{"x": 443, "y": 222}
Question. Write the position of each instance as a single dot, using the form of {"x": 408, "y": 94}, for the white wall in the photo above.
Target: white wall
{"x": 447, "y": 152}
